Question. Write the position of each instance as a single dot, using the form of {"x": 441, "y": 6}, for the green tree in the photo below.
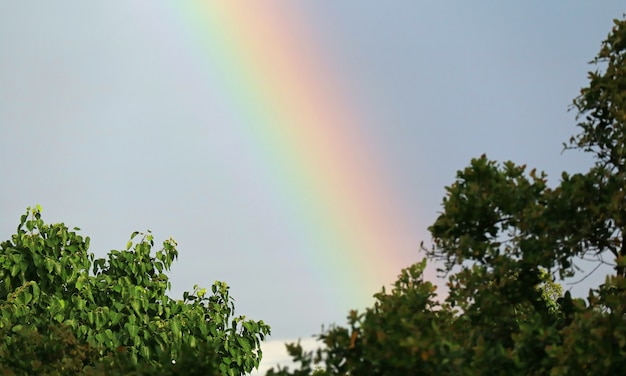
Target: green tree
{"x": 409, "y": 332}
{"x": 402, "y": 321}
{"x": 503, "y": 236}
{"x": 504, "y": 225}
{"x": 118, "y": 304}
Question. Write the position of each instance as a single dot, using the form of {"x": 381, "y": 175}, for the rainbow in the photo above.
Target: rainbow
{"x": 306, "y": 130}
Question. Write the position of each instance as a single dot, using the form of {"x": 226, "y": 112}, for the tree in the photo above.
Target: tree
{"x": 115, "y": 305}
{"x": 602, "y": 108}
{"x": 403, "y": 321}
{"x": 503, "y": 236}
{"x": 409, "y": 332}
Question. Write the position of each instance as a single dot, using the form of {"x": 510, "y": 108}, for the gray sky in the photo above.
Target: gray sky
{"x": 112, "y": 120}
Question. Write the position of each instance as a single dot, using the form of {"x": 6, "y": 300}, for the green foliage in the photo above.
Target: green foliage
{"x": 58, "y": 352}
{"x": 502, "y": 237}
{"x": 46, "y": 287}
{"x": 54, "y": 351}
{"x": 409, "y": 332}
{"x": 602, "y": 113}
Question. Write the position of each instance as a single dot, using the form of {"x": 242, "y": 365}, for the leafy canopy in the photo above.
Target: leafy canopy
{"x": 118, "y": 304}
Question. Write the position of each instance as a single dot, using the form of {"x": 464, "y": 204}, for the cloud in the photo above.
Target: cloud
{"x": 274, "y": 353}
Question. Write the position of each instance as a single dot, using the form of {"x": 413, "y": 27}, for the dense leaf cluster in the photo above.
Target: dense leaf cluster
{"x": 503, "y": 236}
{"x": 63, "y": 309}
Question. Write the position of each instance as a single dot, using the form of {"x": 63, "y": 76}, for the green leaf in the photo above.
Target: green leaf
{"x": 49, "y": 265}
{"x": 145, "y": 352}
{"x": 244, "y": 344}
{"x": 82, "y": 330}
{"x": 136, "y": 307}
{"x": 176, "y": 329}
{"x": 100, "y": 338}
{"x": 131, "y": 329}
{"x": 109, "y": 334}
{"x": 14, "y": 270}
{"x": 27, "y": 297}
{"x": 115, "y": 317}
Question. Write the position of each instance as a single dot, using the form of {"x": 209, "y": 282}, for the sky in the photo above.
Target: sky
{"x": 296, "y": 150}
